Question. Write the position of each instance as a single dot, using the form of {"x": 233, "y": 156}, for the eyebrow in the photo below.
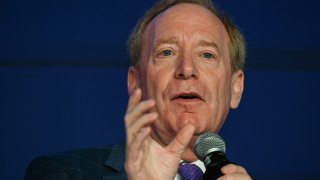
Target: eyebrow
{"x": 174, "y": 40}
{"x": 170, "y": 40}
{"x": 209, "y": 44}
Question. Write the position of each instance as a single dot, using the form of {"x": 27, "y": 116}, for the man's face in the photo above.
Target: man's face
{"x": 185, "y": 67}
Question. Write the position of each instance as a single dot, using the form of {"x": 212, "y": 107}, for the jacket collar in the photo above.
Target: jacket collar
{"x": 116, "y": 158}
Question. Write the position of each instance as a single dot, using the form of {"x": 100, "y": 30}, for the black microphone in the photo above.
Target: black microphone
{"x": 210, "y": 148}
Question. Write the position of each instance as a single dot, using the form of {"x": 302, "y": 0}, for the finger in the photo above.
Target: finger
{"x": 134, "y": 99}
{"x": 181, "y": 141}
{"x": 134, "y": 149}
{"x": 233, "y": 169}
{"x": 133, "y": 129}
{"x": 235, "y": 177}
{"x": 140, "y": 109}
{"x": 142, "y": 121}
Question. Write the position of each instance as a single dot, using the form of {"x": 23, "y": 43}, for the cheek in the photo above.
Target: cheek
{"x": 155, "y": 82}
{"x": 159, "y": 76}
{"x": 218, "y": 92}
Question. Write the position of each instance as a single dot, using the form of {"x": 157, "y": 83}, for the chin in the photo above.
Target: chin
{"x": 199, "y": 129}
{"x": 195, "y": 122}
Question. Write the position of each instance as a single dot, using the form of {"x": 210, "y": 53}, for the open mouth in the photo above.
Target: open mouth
{"x": 187, "y": 96}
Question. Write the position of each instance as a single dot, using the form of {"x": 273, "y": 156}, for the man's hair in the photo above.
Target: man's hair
{"x": 237, "y": 47}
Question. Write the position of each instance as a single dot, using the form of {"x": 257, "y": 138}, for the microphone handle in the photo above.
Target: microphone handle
{"x": 213, "y": 169}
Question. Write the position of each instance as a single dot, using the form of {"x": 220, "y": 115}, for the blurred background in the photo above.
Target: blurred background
{"x": 63, "y": 68}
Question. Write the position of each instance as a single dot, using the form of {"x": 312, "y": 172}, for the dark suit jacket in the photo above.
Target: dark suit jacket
{"x": 92, "y": 163}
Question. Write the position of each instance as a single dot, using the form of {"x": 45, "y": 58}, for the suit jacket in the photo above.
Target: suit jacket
{"x": 105, "y": 163}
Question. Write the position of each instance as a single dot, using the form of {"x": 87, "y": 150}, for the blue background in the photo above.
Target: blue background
{"x": 63, "y": 68}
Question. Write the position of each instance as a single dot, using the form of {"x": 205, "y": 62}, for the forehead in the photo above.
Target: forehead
{"x": 183, "y": 16}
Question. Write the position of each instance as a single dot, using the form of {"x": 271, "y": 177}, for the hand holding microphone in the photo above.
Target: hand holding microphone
{"x": 210, "y": 148}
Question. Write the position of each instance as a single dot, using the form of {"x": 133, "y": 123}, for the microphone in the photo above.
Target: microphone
{"x": 210, "y": 148}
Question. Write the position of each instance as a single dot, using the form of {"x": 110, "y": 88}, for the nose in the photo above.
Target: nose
{"x": 186, "y": 68}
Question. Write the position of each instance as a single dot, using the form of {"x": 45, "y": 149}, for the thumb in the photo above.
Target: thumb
{"x": 180, "y": 142}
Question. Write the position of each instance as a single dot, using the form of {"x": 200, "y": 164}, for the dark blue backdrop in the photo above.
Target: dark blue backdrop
{"x": 63, "y": 71}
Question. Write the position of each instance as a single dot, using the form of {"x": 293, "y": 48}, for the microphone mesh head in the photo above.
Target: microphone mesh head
{"x": 207, "y": 143}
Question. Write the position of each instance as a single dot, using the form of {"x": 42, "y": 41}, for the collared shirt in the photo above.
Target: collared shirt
{"x": 198, "y": 163}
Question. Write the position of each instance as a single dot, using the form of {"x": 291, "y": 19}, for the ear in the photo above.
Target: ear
{"x": 133, "y": 79}
{"x": 237, "y": 86}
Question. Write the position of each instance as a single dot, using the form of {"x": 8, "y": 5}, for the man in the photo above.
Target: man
{"x": 186, "y": 74}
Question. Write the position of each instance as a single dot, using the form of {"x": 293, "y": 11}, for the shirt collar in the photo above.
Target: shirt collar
{"x": 199, "y": 163}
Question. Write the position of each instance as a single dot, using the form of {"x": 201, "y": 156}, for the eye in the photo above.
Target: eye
{"x": 208, "y": 56}
{"x": 166, "y": 53}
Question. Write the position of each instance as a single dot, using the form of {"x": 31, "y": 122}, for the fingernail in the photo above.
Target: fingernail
{"x": 138, "y": 90}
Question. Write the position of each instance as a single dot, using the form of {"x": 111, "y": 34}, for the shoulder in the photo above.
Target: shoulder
{"x": 88, "y": 163}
